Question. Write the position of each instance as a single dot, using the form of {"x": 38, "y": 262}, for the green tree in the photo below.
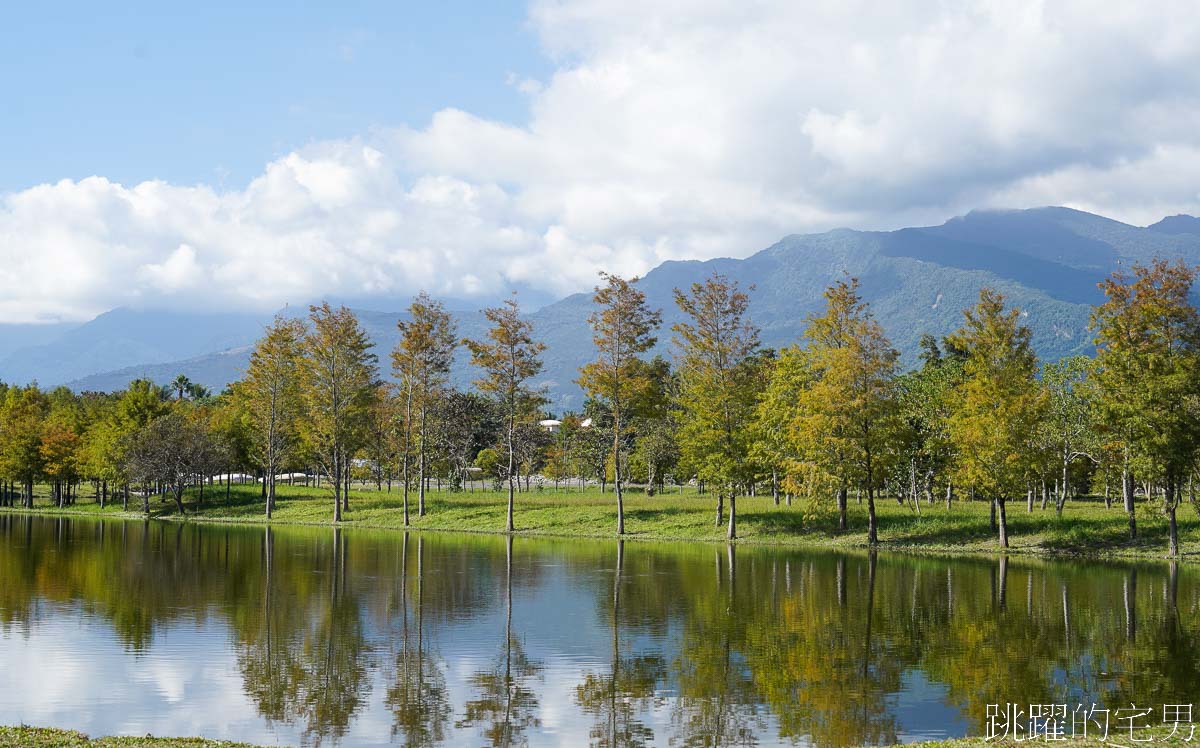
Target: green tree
{"x": 1070, "y": 415}
{"x": 421, "y": 361}
{"x": 846, "y": 419}
{"x": 622, "y": 329}
{"x": 717, "y": 347}
{"x": 182, "y": 386}
{"x": 509, "y": 359}
{"x": 174, "y": 450}
{"x": 338, "y": 379}
{"x": 271, "y": 393}
{"x": 21, "y": 458}
{"x": 998, "y": 405}
{"x": 1148, "y": 336}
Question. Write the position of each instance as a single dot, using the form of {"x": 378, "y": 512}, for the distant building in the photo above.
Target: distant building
{"x": 550, "y": 425}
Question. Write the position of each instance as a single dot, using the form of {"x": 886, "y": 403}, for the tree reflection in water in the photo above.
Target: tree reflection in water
{"x": 334, "y": 633}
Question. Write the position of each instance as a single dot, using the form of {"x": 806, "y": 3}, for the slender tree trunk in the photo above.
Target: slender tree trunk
{"x": 617, "y": 471}
{"x": 336, "y": 477}
{"x": 841, "y": 505}
{"x": 1127, "y": 497}
{"x": 872, "y": 521}
{"x": 1170, "y": 502}
{"x": 511, "y": 467}
{"x": 732, "y": 534}
{"x": 999, "y": 504}
{"x": 720, "y": 507}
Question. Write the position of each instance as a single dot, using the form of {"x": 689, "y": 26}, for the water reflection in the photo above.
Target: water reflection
{"x": 319, "y": 636}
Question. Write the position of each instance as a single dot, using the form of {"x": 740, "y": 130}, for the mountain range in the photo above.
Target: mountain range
{"x": 1046, "y": 261}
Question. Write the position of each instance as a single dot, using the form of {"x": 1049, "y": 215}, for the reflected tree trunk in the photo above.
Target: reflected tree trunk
{"x": 1131, "y": 605}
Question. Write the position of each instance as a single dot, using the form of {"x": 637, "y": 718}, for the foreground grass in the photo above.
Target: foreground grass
{"x": 1086, "y": 528}
{"x": 45, "y": 737}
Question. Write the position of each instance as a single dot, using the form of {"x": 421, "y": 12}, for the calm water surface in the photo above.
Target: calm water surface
{"x": 308, "y": 636}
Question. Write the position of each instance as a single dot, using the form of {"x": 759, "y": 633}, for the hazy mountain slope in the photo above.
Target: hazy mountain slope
{"x": 1046, "y": 261}
{"x": 116, "y": 339}
{"x": 14, "y": 337}
{"x": 1180, "y": 224}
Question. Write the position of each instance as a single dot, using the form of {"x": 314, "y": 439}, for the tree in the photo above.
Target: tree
{"x": 622, "y": 329}
{"x": 338, "y": 379}
{"x": 790, "y": 376}
{"x": 716, "y": 387}
{"x": 924, "y": 397}
{"x": 182, "y": 386}
{"x": 466, "y": 423}
{"x": 173, "y": 450}
{"x": 509, "y": 359}
{"x": 21, "y": 458}
{"x": 1148, "y": 336}
{"x": 422, "y": 362}
{"x": 1069, "y": 415}
{"x": 846, "y": 419}
{"x": 271, "y": 392}
{"x": 998, "y": 405}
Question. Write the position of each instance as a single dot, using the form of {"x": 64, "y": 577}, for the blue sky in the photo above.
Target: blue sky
{"x": 211, "y": 91}
{"x": 355, "y": 149}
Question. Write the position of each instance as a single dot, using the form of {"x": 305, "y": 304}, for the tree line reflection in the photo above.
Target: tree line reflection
{"x": 701, "y": 645}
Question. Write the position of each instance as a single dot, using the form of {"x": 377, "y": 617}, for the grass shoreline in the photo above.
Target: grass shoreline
{"x": 1086, "y": 530}
{"x": 24, "y": 736}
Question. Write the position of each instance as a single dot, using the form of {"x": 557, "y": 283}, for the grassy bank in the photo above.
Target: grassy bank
{"x": 1086, "y": 528}
{"x": 45, "y": 737}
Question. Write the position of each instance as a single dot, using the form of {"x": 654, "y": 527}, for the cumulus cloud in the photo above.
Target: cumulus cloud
{"x": 683, "y": 128}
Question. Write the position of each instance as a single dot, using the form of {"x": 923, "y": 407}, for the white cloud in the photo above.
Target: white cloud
{"x": 686, "y": 128}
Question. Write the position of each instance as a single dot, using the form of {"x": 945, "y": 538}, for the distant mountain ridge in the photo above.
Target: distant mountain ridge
{"x": 1046, "y": 261}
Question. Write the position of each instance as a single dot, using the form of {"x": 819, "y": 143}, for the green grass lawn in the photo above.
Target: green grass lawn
{"x": 45, "y": 737}
{"x": 1086, "y": 528}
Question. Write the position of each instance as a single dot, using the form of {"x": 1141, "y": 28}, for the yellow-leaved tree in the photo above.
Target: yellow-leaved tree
{"x": 997, "y": 406}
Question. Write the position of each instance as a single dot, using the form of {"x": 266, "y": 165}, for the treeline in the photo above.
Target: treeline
{"x": 826, "y": 418}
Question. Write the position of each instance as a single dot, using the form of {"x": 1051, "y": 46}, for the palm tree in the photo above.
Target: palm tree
{"x": 182, "y": 386}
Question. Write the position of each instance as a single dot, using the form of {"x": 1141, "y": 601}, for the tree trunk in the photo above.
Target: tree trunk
{"x": 617, "y": 473}
{"x": 872, "y": 522}
{"x": 732, "y": 535}
{"x": 999, "y": 504}
{"x": 775, "y": 486}
{"x": 720, "y": 507}
{"x": 1170, "y": 502}
{"x": 1127, "y": 497}
{"x": 336, "y": 477}
{"x": 841, "y": 505}
{"x": 511, "y": 466}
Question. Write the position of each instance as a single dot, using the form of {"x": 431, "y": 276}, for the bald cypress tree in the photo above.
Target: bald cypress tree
{"x": 998, "y": 404}
{"x": 422, "y": 361}
{"x": 623, "y": 329}
{"x": 1148, "y": 371}
{"x": 339, "y": 379}
{"x": 718, "y": 386}
{"x": 509, "y": 358}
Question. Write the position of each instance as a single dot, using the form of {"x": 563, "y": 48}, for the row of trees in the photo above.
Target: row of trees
{"x": 829, "y": 416}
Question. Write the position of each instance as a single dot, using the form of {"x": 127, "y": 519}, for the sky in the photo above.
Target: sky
{"x": 216, "y": 155}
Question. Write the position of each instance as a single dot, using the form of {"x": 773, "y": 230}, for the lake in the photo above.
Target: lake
{"x": 316, "y": 636}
